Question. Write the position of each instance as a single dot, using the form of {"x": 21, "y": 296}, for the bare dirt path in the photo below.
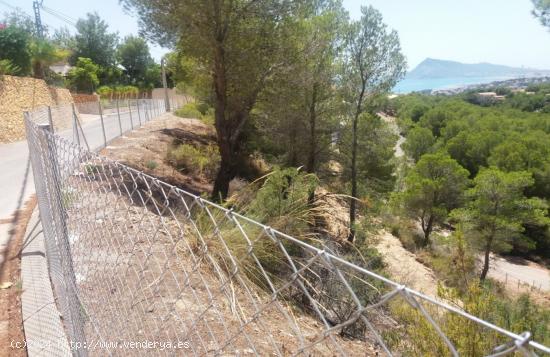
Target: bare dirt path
{"x": 393, "y": 123}
{"x": 404, "y": 267}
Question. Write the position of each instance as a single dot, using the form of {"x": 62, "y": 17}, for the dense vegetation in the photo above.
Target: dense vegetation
{"x": 101, "y": 61}
{"x": 306, "y": 95}
{"x": 301, "y": 86}
{"x": 505, "y": 148}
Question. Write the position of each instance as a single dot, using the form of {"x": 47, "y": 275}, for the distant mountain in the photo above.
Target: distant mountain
{"x": 434, "y": 68}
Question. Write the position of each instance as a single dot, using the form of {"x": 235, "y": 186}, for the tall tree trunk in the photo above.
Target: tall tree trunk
{"x": 427, "y": 228}
{"x": 293, "y": 154}
{"x": 486, "y": 257}
{"x": 226, "y": 172}
{"x": 223, "y": 127}
{"x": 312, "y": 155}
{"x": 38, "y": 70}
{"x": 353, "y": 203}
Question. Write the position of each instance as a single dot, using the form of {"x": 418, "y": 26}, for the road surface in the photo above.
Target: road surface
{"x": 16, "y": 179}
{"x": 524, "y": 273}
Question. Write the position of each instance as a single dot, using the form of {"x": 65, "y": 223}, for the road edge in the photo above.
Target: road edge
{"x": 44, "y": 332}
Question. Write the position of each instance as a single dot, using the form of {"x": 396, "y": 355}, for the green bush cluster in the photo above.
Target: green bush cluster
{"x": 197, "y": 110}
{"x": 201, "y": 160}
{"x": 8, "y": 68}
{"x": 189, "y": 110}
{"x": 416, "y": 336}
{"x": 478, "y": 137}
{"x": 111, "y": 92}
{"x": 151, "y": 164}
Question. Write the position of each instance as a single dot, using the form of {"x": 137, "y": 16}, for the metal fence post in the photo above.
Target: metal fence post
{"x": 145, "y": 110}
{"x": 131, "y": 123}
{"x": 130, "y": 112}
{"x": 75, "y": 126}
{"x": 102, "y": 124}
{"x": 118, "y": 115}
{"x": 50, "y": 119}
{"x": 139, "y": 114}
{"x": 58, "y": 238}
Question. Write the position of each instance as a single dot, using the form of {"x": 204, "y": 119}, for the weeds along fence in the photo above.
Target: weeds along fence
{"x": 142, "y": 267}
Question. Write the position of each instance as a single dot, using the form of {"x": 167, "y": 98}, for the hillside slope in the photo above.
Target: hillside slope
{"x": 436, "y": 68}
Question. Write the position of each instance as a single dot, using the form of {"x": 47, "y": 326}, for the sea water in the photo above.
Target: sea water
{"x": 414, "y": 85}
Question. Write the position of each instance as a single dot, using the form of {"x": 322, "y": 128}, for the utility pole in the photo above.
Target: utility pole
{"x": 37, "y": 20}
{"x": 165, "y": 85}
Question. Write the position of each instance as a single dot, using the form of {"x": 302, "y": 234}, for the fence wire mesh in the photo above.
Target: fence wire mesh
{"x": 136, "y": 260}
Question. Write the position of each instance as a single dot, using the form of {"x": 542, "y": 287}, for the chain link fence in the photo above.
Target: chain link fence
{"x": 142, "y": 267}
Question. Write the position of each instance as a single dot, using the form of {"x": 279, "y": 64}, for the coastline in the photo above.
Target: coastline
{"x": 453, "y": 85}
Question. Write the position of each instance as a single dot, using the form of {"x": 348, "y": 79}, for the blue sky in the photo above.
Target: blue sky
{"x": 495, "y": 31}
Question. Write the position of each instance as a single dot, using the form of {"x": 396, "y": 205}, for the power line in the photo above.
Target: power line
{"x": 11, "y": 6}
{"x": 60, "y": 16}
{"x": 59, "y": 13}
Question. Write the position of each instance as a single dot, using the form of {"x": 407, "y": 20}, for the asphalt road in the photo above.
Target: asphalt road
{"x": 16, "y": 179}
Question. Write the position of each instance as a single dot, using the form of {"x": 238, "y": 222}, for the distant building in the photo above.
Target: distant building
{"x": 61, "y": 68}
{"x": 487, "y": 94}
{"x": 490, "y": 97}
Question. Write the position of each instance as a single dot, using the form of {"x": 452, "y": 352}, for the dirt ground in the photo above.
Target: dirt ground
{"x": 143, "y": 275}
{"x": 157, "y": 281}
{"x": 150, "y": 143}
{"x": 11, "y": 323}
{"x": 403, "y": 265}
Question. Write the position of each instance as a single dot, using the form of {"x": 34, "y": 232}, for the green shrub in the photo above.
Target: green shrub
{"x": 151, "y": 164}
{"x": 394, "y": 230}
{"x": 8, "y": 68}
{"x": 14, "y": 46}
{"x": 203, "y": 107}
{"x": 208, "y": 117}
{"x": 408, "y": 234}
{"x": 92, "y": 169}
{"x": 201, "y": 160}
{"x": 189, "y": 110}
{"x": 197, "y": 110}
{"x": 105, "y": 91}
{"x": 415, "y": 335}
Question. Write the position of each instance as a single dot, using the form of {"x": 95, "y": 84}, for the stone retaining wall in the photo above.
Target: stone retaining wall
{"x": 19, "y": 94}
